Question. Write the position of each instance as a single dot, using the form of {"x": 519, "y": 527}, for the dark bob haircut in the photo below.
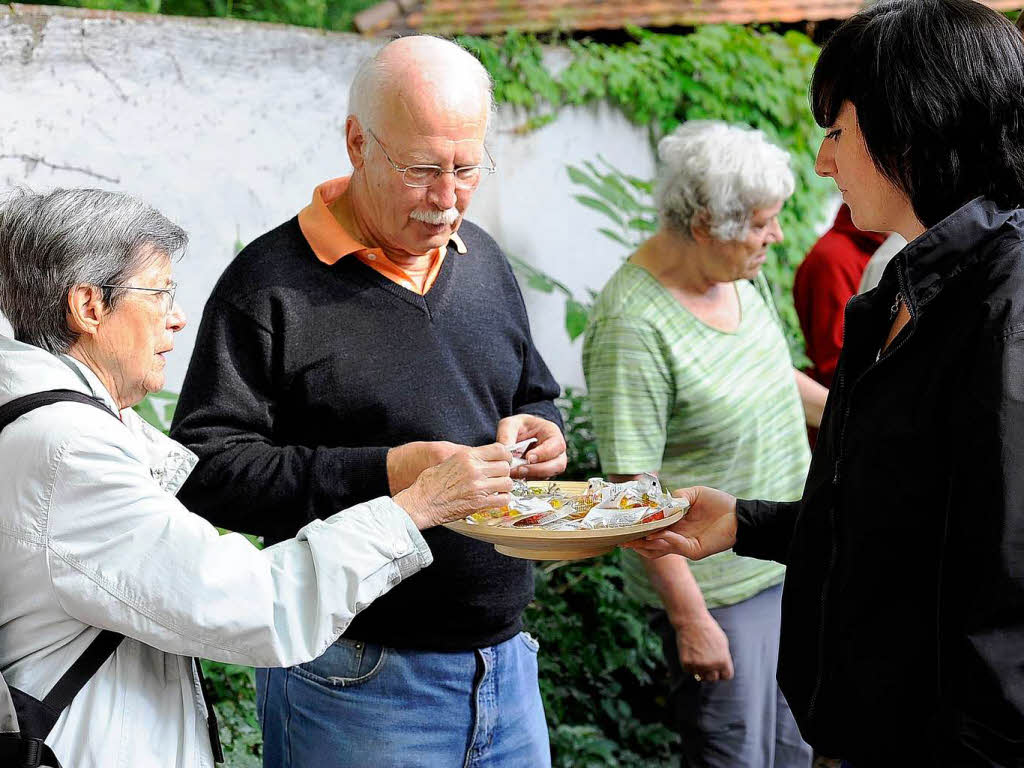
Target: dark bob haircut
{"x": 938, "y": 86}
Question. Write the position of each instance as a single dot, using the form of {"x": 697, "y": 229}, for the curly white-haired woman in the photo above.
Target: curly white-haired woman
{"x": 93, "y": 543}
{"x": 690, "y": 377}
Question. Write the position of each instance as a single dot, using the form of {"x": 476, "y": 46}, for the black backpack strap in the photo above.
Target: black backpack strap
{"x": 18, "y": 751}
{"x": 37, "y": 718}
{"x": 85, "y": 666}
{"x": 41, "y": 716}
{"x": 211, "y": 715}
{"x": 18, "y": 407}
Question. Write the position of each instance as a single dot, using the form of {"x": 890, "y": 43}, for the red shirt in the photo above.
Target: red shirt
{"x": 824, "y": 282}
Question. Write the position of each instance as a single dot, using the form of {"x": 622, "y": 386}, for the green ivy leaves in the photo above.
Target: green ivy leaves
{"x": 738, "y": 74}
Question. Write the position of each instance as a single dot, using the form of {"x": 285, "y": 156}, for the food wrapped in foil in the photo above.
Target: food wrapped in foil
{"x": 601, "y": 505}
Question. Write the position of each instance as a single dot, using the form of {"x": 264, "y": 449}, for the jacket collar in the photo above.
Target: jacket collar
{"x": 953, "y": 246}
{"x": 170, "y": 463}
{"x": 91, "y": 382}
{"x": 25, "y": 369}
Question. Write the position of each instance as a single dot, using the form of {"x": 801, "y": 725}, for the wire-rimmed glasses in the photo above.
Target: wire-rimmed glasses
{"x": 166, "y": 294}
{"x": 418, "y": 176}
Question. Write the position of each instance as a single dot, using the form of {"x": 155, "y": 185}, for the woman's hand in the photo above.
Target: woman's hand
{"x": 704, "y": 650}
{"x": 707, "y": 528}
{"x": 470, "y": 480}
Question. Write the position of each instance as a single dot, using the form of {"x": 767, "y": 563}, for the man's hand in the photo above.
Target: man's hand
{"x": 407, "y": 462}
{"x": 547, "y": 456}
{"x": 707, "y": 528}
{"x": 704, "y": 649}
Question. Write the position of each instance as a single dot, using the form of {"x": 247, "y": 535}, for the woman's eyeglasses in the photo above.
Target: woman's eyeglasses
{"x": 166, "y": 294}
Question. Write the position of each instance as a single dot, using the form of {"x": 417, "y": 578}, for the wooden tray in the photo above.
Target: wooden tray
{"x": 538, "y": 544}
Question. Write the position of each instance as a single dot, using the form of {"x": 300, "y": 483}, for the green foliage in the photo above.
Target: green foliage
{"x": 601, "y": 673}
{"x": 158, "y": 409}
{"x": 736, "y": 74}
{"x": 575, "y": 311}
{"x": 625, "y": 200}
{"x": 581, "y": 449}
{"x": 234, "y": 689}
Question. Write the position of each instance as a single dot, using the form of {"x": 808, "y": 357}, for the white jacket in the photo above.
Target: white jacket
{"x": 91, "y": 537}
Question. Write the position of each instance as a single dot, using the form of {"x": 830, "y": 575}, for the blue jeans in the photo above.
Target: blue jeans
{"x": 363, "y": 705}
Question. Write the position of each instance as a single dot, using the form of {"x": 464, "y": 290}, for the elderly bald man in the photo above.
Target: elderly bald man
{"x": 342, "y": 353}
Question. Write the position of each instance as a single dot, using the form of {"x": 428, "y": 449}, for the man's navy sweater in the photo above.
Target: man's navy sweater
{"x": 305, "y": 374}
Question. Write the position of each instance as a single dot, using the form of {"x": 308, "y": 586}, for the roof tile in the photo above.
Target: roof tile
{"x": 483, "y": 17}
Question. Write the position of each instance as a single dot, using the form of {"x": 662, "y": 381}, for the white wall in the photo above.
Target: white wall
{"x": 227, "y": 126}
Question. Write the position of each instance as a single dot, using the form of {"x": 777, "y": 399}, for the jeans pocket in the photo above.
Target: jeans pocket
{"x": 529, "y": 641}
{"x": 345, "y": 664}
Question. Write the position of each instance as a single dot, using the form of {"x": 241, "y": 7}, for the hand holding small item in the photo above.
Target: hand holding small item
{"x": 707, "y": 528}
{"x": 547, "y": 456}
{"x": 470, "y": 480}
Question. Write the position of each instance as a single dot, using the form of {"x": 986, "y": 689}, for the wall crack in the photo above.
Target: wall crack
{"x": 34, "y": 160}
{"x": 113, "y": 83}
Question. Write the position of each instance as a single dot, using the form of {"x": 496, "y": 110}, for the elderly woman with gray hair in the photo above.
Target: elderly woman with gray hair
{"x": 101, "y": 568}
{"x": 690, "y": 378}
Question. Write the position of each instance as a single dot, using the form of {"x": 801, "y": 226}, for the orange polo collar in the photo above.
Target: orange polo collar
{"x": 330, "y": 241}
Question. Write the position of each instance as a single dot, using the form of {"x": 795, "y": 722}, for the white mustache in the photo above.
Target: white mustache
{"x": 433, "y": 216}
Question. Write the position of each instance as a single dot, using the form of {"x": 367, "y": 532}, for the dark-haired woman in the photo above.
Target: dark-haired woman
{"x": 903, "y": 605}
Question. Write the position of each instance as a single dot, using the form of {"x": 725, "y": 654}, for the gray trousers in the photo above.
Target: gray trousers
{"x": 744, "y": 722}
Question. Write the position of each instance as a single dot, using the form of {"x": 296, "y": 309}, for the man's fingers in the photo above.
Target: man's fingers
{"x": 550, "y": 445}
{"x": 508, "y": 430}
{"x": 540, "y": 471}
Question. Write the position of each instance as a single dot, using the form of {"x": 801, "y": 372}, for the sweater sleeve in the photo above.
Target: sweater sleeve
{"x": 245, "y": 480}
{"x": 765, "y": 528}
{"x": 537, "y": 388}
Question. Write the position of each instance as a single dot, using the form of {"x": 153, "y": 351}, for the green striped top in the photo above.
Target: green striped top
{"x": 699, "y": 406}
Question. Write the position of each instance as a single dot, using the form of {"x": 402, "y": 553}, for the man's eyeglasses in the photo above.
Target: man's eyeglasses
{"x": 166, "y": 294}
{"x": 466, "y": 176}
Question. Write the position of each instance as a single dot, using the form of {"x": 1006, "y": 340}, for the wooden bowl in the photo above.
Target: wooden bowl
{"x": 538, "y": 544}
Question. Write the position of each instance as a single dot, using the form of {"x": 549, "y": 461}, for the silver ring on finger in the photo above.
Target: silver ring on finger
{"x": 697, "y": 677}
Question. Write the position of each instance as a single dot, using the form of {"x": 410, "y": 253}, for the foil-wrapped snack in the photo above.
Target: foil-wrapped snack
{"x": 601, "y": 505}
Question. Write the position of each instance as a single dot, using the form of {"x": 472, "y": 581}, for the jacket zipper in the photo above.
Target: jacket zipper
{"x": 834, "y": 551}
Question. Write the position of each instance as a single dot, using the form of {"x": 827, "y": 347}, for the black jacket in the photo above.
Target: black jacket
{"x": 903, "y": 610}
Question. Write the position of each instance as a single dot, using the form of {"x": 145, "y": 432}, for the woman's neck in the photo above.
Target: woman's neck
{"x": 677, "y": 262}
{"x": 107, "y": 379}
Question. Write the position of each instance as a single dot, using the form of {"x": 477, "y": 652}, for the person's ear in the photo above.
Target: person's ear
{"x": 700, "y": 227}
{"x": 86, "y": 309}
{"x": 355, "y": 141}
